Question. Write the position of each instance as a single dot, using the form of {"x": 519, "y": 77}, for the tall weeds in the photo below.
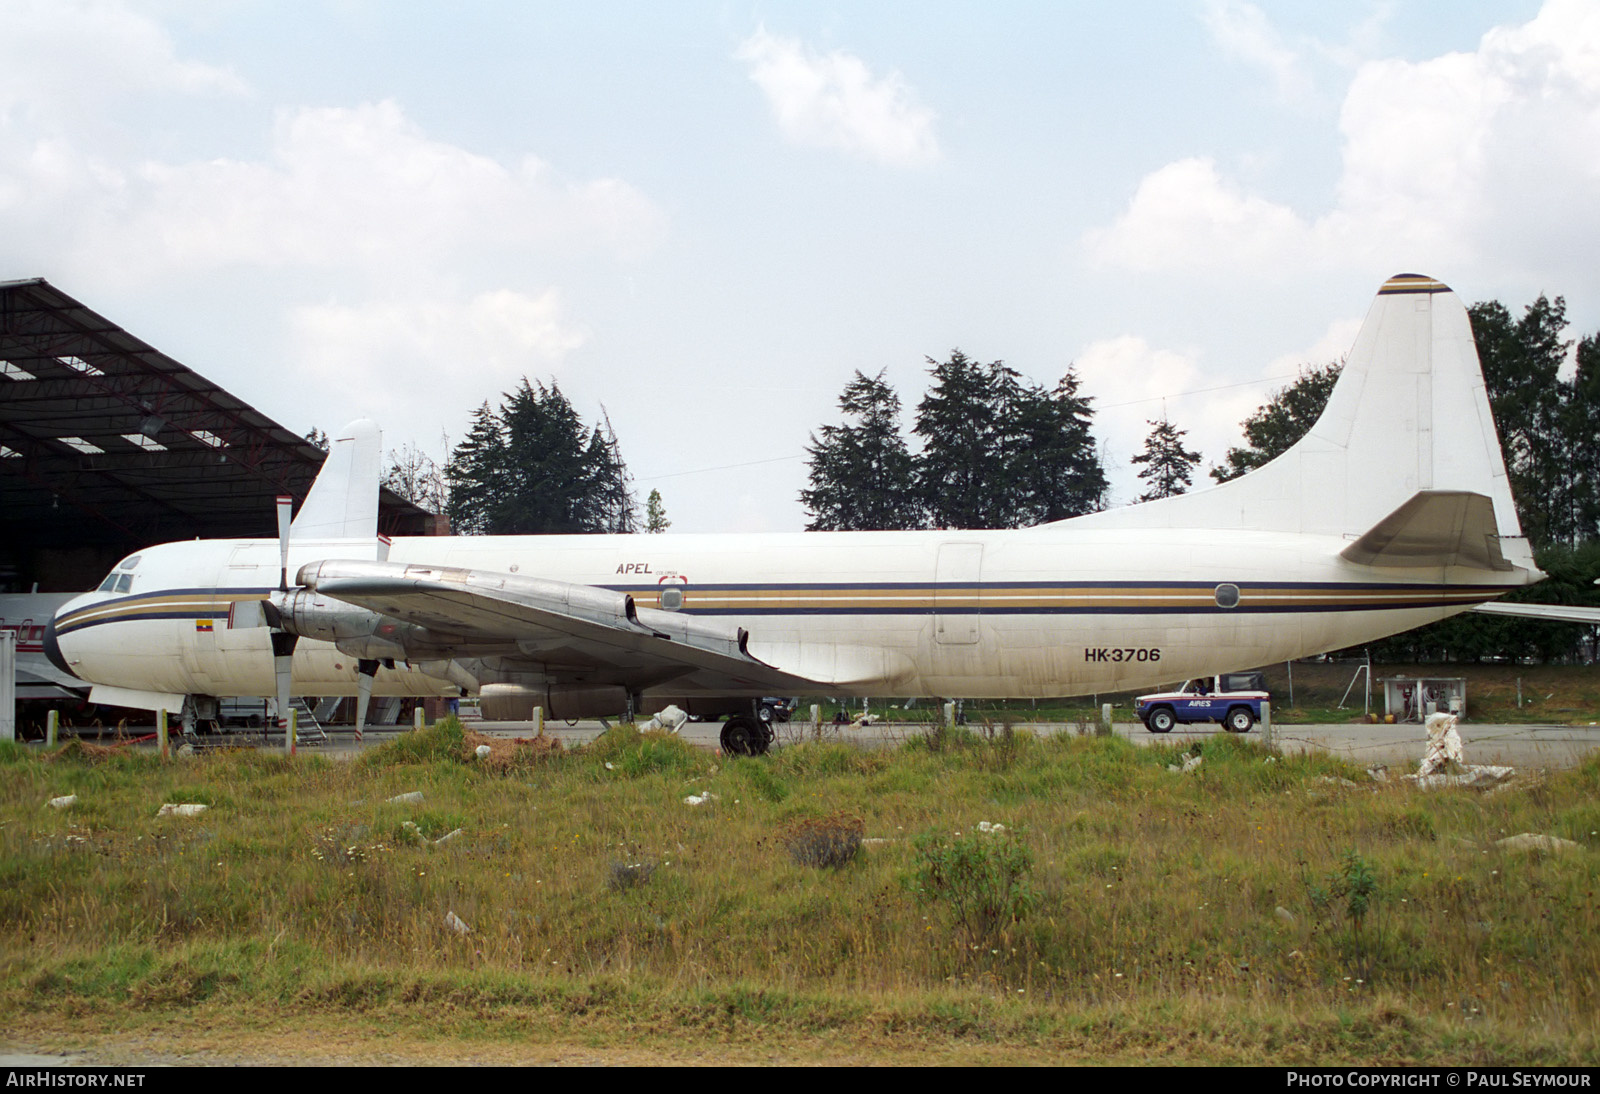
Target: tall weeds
{"x": 1116, "y": 882}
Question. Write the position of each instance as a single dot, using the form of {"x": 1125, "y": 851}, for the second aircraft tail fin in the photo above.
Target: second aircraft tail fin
{"x": 343, "y": 502}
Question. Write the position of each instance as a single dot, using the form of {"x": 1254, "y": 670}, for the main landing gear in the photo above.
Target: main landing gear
{"x": 745, "y": 735}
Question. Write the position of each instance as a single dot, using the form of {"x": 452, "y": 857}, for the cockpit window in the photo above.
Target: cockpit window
{"x": 116, "y": 582}
{"x": 130, "y": 562}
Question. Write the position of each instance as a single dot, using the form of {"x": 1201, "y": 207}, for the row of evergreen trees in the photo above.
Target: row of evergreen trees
{"x": 996, "y": 453}
{"x": 999, "y": 452}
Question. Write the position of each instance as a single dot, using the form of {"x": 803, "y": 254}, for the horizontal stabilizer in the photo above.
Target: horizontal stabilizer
{"x": 102, "y": 695}
{"x": 1565, "y": 613}
{"x": 1434, "y": 528}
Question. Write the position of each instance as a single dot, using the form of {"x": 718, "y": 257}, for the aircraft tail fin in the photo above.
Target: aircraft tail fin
{"x": 343, "y": 502}
{"x": 1408, "y": 416}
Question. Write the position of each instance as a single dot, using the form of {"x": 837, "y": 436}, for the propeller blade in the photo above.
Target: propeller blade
{"x": 283, "y": 645}
{"x": 285, "y": 508}
{"x": 365, "y": 671}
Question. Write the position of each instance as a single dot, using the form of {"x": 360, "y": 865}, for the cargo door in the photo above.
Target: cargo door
{"x": 957, "y": 594}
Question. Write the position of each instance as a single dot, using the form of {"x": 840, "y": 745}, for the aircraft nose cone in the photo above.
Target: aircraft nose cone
{"x": 52, "y": 649}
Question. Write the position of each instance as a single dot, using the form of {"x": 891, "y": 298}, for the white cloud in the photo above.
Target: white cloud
{"x": 1135, "y": 383}
{"x": 834, "y": 101}
{"x": 1243, "y": 31}
{"x": 64, "y": 60}
{"x": 1469, "y": 160}
{"x": 364, "y": 187}
{"x": 1185, "y": 215}
{"x": 1334, "y": 345}
{"x": 376, "y": 357}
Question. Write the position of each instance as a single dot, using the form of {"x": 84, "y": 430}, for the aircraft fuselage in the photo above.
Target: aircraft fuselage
{"x": 1038, "y": 612}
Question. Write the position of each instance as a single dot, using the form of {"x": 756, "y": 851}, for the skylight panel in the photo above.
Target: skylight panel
{"x": 78, "y": 364}
{"x": 207, "y": 437}
{"x": 15, "y": 372}
{"x": 88, "y": 448}
{"x": 139, "y": 440}
{"x": 9, "y": 453}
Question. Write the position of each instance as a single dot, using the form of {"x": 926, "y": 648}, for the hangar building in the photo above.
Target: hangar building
{"x": 108, "y": 446}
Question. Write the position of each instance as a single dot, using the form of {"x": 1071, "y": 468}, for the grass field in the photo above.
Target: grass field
{"x": 1255, "y": 910}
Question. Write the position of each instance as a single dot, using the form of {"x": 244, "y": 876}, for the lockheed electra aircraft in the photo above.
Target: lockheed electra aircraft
{"x": 1394, "y": 511}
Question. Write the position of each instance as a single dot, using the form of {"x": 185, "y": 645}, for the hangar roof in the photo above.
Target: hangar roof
{"x": 104, "y": 439}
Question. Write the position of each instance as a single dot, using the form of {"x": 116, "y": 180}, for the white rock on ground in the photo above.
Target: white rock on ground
{"x": 1533, "y": 841}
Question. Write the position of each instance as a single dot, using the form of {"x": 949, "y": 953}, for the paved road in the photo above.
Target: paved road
{"x": 1399, "y": 746}
{"x": 1396, "y": 745}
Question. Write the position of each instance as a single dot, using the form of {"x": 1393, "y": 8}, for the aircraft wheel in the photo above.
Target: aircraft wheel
{"x": 1240, "y": 720}
{"x": 1160, "y": 721}
{"x": 742, "y": 736}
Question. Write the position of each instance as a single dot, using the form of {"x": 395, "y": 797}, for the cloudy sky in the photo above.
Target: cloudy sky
{"x": 704, "y": 217}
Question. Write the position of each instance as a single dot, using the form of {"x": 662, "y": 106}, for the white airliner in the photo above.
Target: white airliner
{"x": 1394, "y": 511}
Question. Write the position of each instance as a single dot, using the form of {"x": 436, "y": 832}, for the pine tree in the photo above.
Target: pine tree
{"x": 968, "y": 432}
{"x": 655, "y": 514}
{"x": 479, "y": 476}
{"x": 861, "y": 473}
{"x": 1055, "y": 471}
{"x": 1582, "y": 429}
{"x": 1169, "y": 466}
{"x": 1000, "y": 453}
{"x": 1521, "y": 360}
{"x": 533, "y": 467}
{"x": 1288, "y": 416}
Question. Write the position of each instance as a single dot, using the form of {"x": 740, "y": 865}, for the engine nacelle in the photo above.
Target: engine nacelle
{"x": 515, "y": 702}
{"x": 355, "y": 631}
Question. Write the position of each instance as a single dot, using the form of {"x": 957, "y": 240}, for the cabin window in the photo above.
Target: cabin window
{"x": 1227, "y": 596}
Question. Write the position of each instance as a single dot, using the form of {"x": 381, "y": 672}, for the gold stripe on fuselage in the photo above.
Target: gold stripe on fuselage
{"x": 155, "y": 606}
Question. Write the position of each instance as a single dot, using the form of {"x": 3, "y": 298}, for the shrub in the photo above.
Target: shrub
{"x": 824, "y": 841}
{"x": 982, "y": 877}
{"x": 625, "y": 875}
{"x": 444, "y": 740}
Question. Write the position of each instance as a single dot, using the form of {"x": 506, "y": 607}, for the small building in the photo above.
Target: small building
{"x": 1413, "y": 698}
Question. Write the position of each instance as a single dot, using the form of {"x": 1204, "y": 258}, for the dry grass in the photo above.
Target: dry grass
{"x": 1154, "y": 930}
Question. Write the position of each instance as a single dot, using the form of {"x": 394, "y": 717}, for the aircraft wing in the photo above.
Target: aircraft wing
{"x": 575, "y": 631}
{"x": 1567, "y": 613}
